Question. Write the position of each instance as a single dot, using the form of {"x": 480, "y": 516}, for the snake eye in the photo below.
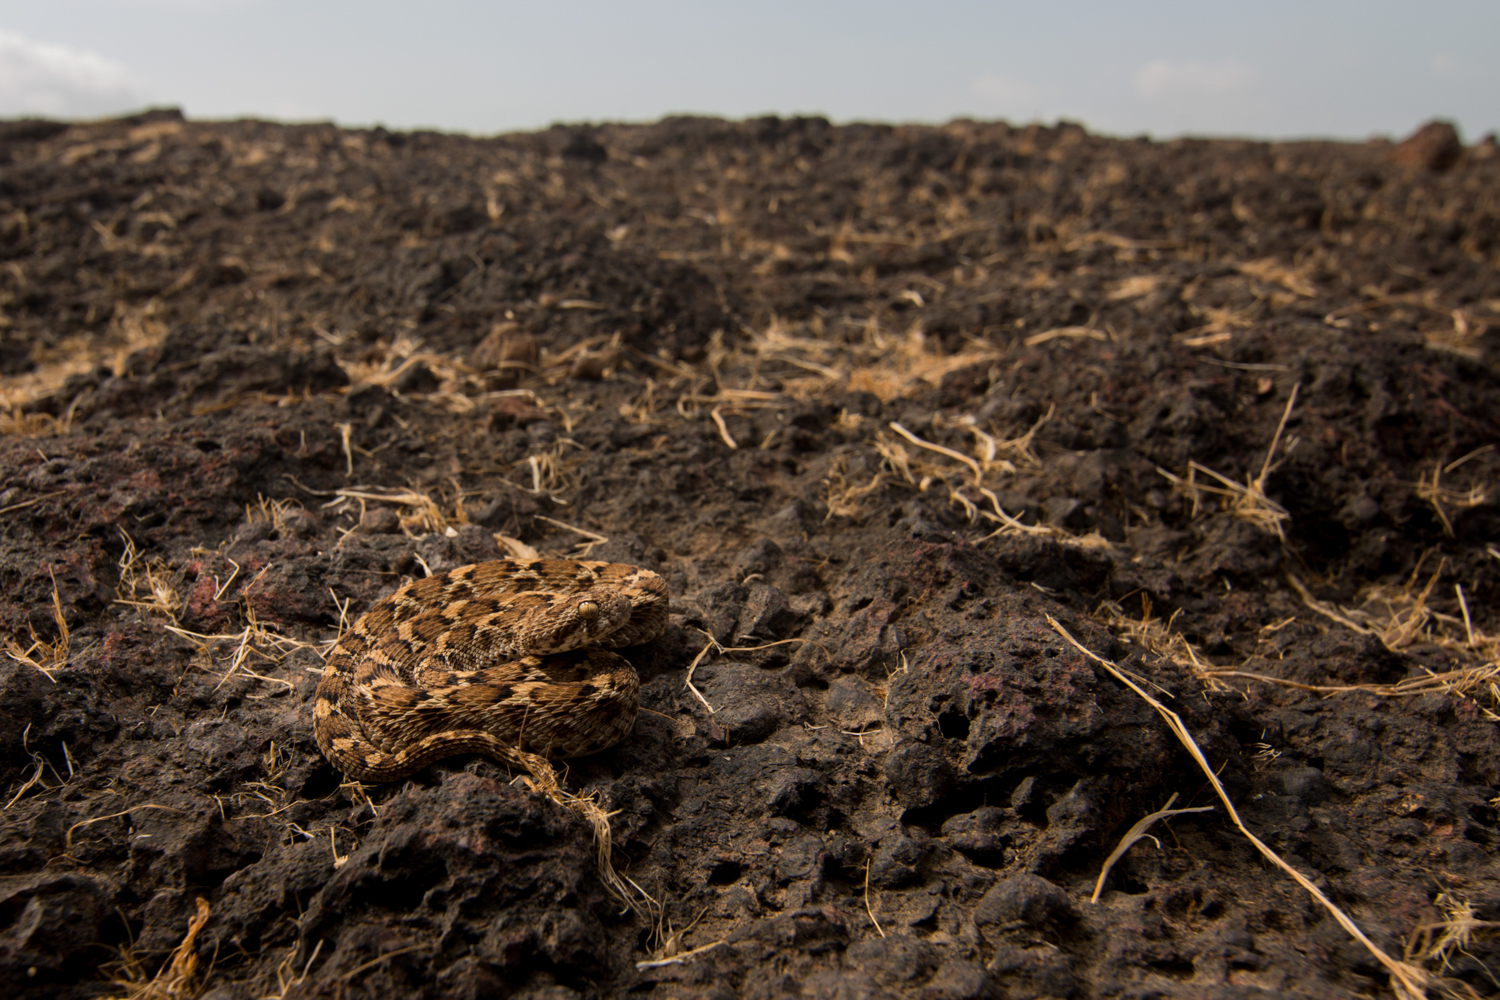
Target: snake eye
{"x": 588, "y": 611}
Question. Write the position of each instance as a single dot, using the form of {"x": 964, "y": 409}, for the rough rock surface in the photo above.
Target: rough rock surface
{"x": 256, "y": 375}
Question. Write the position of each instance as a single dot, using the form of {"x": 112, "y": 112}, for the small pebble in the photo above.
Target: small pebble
{"x": 379, "y": 521}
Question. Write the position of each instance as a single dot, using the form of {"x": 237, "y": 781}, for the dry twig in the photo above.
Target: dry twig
{"x": 1409, "y": 981}
{"x": 868, "y": 910}
{"x": 1443, "y": 497}
{"x": 1138, "y": 832}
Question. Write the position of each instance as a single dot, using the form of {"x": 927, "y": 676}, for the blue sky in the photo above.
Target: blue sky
{"x": 1159, "y": 67}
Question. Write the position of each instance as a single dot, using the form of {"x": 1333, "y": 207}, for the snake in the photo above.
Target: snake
{"x": 499, "y": 656}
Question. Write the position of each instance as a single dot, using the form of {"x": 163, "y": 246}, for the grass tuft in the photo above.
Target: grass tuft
{"x": 178, "y": 978}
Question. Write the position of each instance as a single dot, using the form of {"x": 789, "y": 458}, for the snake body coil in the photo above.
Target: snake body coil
{"x": 503, "y": 655}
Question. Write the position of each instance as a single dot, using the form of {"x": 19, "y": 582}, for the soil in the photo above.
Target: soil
{"x": 1226, "y": 411}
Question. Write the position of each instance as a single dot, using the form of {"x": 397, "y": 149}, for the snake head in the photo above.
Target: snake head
{"x": 586, "y": 618}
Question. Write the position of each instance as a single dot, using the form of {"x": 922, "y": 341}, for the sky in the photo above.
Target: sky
{"x": 1267, "y": 69}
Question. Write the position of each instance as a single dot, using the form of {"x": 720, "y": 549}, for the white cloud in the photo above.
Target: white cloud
{"x": 1163, "y": 78}
{"x": 37, "y": 78}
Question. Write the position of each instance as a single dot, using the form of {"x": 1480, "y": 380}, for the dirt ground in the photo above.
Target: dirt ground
{"x": 916, "y": 403}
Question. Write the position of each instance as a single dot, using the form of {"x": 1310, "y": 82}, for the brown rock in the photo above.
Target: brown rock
{"x": 506, "y": 346}
{"x": 595, "y": 365}
{"x": 228, "y": 271}
{"x": 590, "y": 367}
{"x": 379, "y": 521}
{"x": 514, "y": 411}
{"x": 1434, "y": 146}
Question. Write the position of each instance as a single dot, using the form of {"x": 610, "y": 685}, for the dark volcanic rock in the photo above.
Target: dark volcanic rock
{"x": 881, "y": 404}
{"x": 1434, "y": 146}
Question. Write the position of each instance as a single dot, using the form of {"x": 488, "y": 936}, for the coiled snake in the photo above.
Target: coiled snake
{"x": 487, "y": 659}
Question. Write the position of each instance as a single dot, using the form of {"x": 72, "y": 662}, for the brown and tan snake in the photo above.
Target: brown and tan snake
{"x": 489, "y": 658}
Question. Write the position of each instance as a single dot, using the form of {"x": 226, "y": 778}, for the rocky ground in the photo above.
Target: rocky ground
{"x": 1224, "y": 412}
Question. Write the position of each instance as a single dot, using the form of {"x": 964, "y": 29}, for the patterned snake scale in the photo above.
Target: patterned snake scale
{"x": 485, "y": 659}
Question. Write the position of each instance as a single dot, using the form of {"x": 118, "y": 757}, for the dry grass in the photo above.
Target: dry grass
{"x": 550, "y": 471}
{"x": 1135, "y": 287}
{"x": 41, "y": 769}
{"x": 384, "y": 956}
{"x": 17, "y": 422}
{"x": 1436, "y": 944}
{"x": 643, "y": 409}
{"x": 1219, "y": 328}
{"x": 594, "y": 358}
{"x": 666, "y": 940}
{"x": 668, "y": 953}
{"x": 1244, "y": 500}
{"x": 1397, "y": 615}
{"x": 1137, "y": 833}
{"x": 152, "y": 586}
{"x": 543, "y": 780}
{"x": 1464, "y": 337}
{"x": 419, "y": 513}
{"x": 896, "y": 366}
{"x": 1405, "y": 619}
{"x": 44, "y": 654}
{"x": 1456, "y": 683}
{"x": 460, "y": 387}
{"x": 868, "y": 908}
{"x": 1066, "y": 333}
{"x": 388, "y": 360}
{"x": 726, "y": 402}
{"x": 1156, "y": 637}
{"x": 274, "y": 763}
{"x": 989, "y": 447}
{"x": 255, "y": 639}
{"x": 808, "y": 362}
{"x": 287, "y": 975}
{"x": 1273, "y": 272}
{"x": 1403, "y": 615}
{"x": 1443, "y": 497}
{"x": 1012, "y": 526}
{"x": 1248, "y": 500}
{"x": 846, "y": 498}
{"x": 148, "y": 584}
{"x": 515, "y": 548}
{"x": 874, "y": 360}
{"x": 581, "y": 550}
{"x": 965, "y": 483}
{"x": 278, "y": 512}
{"x": 1407, "y": 980}
{"x": 938, "y": 449}
{"x": 775, "y": 366}
{"x": 68, "y": 836}
{"x": 178, "y": 978}
{"x": 131, "y": 329}
{"x": 1400, "y": 617}
{"x": 712, "y": 646}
